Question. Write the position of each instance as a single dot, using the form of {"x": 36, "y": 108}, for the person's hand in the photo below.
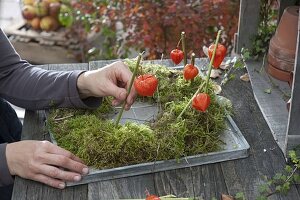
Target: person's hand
{"x": 111, "y": 80}
{"x": 43, "y": 161}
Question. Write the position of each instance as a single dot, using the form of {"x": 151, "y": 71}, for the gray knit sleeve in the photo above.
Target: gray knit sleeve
{"x": 33, "y": 88}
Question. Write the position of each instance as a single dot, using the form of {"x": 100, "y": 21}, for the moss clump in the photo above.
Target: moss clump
{"x": 95, "y": 139}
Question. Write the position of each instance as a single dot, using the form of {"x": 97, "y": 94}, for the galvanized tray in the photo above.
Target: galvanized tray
{"x": 235, "y": 147}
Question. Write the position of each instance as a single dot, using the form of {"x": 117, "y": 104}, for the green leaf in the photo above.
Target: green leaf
{"x": 239, "y": 64}
{"x": 263, "y": 188}
{"x": 278, "y": 188}
{"x": 277, "y": 176}
{"x": 240, "y": 196}
{"x": 231, "y": 76}
{"x": 296, "y": 178}
{"x": 288, "y": 169}
{"x": 286, "y": 187}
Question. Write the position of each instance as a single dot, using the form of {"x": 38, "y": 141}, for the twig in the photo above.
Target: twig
{"x": 190, "y": 101}
{"x": 212, "y": 60}
{"x": 207, "y": 77}
{"x": 129, "y": 88}
{"x": 286, "y": 180}
{"x": 62, "y": 118}
{"x": 183, "y": 48}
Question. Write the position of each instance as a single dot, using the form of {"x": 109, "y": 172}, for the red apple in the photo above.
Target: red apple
{"x": 54, "y": 9}
{"x": 49, "y": 23}
{"x": 35, "y": 23}
{"x": 28, "y": 12}
{"x": 41, "y": 8}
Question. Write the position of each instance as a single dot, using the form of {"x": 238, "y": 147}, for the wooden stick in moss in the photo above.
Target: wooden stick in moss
{"x": 207, "y": 77}
{"x": 190, "y": 101}
{"x": 129, "y": 88}
{"x": 211, "y": 61}
{"x": 183, "y": 48}
{"x": 193, "y": 64}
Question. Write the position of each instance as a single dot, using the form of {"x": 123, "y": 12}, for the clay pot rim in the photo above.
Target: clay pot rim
{"x": 282, "y": 59}
{"x": 278, "y": 73}
{"x": 276, "y": 47}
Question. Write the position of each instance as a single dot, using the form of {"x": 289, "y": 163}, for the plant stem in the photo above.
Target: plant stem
{"x": 193, "y": 58}
{"x": 183, "y": 48}
{"x": 178, "y": 42}
{"x": 192, "y": 63}
{"x": 286, "y": 180}
{"x": 190, "y": 101}
{"x": 212, "y": 60}
{"x": 129, "y": 88}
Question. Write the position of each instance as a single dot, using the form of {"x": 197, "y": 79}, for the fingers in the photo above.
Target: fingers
{"x": 56, "y": 173}
{"x": 60, "y": 157}
{"x": 49, "y": 181}
{"x": 123, "y": 74}
{"x": 66, "y": 163}
{"x": 54, "y": 149}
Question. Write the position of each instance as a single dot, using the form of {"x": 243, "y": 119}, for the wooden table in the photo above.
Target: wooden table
{"x": 206, "y": 181}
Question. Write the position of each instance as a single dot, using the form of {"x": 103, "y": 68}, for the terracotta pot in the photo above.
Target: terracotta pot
{"x": 291, "y": 79}
{"x": 278, "y": 73}
{"x": 282, "y": 48}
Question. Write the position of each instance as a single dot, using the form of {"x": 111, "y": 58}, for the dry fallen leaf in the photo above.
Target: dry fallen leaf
{"x": 245, "y": 77}
{"x": 205, "y": 50}
{"x": 217, "y": 88}
{"x": 227, "y": 197}
{"x": 215, "y": 73}
{"x": 224, "y": 65}
{"x": 268, "y": 90}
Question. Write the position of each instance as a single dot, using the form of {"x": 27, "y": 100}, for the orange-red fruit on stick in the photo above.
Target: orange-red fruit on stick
{"x": 146, "y": 84}
{"x": 176, "y": 56}
{"x": 152, "y": 197}
{"x": 190, "y": 72}
{"x": 219, "y": 56}
{"x": 201, "y": 102}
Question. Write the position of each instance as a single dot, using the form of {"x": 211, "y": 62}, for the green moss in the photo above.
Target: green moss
{"x": 95, "y": 139}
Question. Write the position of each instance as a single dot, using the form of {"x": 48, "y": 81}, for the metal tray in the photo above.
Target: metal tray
{"x": 235, "y": 146}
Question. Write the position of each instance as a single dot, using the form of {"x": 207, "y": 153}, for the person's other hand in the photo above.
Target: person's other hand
{"x": 43, "y": 161}
{"x": 111, "y": 80}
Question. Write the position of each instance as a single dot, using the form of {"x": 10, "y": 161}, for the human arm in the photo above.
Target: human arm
{"x": 34, "y": 88}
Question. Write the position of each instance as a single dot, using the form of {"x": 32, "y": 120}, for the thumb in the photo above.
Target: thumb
{"x": 117, "y": 92}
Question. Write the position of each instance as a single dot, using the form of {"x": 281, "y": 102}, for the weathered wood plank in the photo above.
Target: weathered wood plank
{"x": 69, "y": 67}
{"x": 75, "y": 193}
{"x": 266, "y": 158}
{"x": 33, "y": 127}
{"x": 248, "y": 23}
{"x": 294, "y": 114}
{"x": 41, "y": 54}
{"x": 99, "y": 64}
{"x": 20, "y": 188}
{"x": 200, "y": 62}
{"x": 131, "y": 187}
